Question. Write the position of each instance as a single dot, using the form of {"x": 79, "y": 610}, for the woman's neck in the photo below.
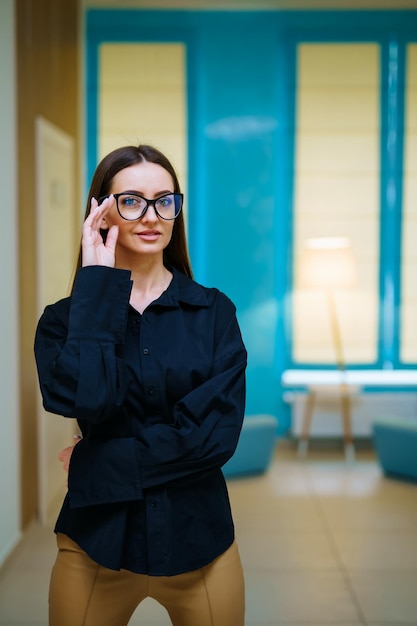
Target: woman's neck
{"x": 150, "y": 279}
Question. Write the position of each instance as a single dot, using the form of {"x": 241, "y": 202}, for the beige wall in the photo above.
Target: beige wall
{"x": 48, "y": 86}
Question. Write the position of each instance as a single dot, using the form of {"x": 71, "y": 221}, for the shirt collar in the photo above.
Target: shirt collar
{"x": 183, "y": 289}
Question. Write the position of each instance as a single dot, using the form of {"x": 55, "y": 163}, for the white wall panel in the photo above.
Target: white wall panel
{"x": 9, "y": 421}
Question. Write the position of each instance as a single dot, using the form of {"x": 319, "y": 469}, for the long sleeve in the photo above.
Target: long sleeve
{"x": 79, "y": 373}
{"x": 207, "y": 421}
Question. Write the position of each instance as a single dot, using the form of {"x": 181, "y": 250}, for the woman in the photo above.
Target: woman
{"x": 152, "y": 365}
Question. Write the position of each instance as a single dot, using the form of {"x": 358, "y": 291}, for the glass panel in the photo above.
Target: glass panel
{"x": 408, "y": 348}
{"x": 337, "y": 195}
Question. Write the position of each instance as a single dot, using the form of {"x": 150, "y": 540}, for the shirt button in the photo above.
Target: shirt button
{"x": 151, "y": 390}
{"x": 145, "y": 351}
{"x": 153, "y": 504}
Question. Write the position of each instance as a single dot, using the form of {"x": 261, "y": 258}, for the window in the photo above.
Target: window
{"x": 336, "y": 193}
{"x": 408, "y": 349}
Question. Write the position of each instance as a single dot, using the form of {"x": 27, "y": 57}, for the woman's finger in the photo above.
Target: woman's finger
{"x": 93, "y": 204}
{"x": 97, "y": 211}
{"x": 111, "y": 239}
{"x": 64, "y": 456}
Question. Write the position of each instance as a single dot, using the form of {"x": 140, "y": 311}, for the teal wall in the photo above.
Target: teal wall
{"x": 241, "y": 85}
{"x": 239, "y": 239}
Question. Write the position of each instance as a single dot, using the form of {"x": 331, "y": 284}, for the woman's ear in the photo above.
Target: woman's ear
{"x": 104, "y": 230}
{"x": 104, "y": 225}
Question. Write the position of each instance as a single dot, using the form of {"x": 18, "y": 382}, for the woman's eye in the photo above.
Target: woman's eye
{"x": 164, "y": 202}
{"x": 130, "y": 201}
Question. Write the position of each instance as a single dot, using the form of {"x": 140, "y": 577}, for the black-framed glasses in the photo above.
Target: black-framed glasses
{"x": 132, "y": 206}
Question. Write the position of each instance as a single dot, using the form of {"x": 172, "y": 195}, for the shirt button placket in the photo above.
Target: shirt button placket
{"x": 157, "y": 530}
{"x": 150, "y": 381}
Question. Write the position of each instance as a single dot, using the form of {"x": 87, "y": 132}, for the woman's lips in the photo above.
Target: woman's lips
{"x": 149, "y": 235}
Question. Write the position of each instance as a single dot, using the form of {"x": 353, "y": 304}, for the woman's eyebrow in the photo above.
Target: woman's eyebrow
{"x": 158, "y": 194}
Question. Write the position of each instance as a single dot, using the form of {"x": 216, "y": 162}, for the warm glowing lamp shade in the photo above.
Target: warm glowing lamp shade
{"x": 327, "y": 263}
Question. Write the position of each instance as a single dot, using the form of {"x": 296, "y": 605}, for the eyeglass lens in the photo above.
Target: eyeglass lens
{"x": 132, "y": 206}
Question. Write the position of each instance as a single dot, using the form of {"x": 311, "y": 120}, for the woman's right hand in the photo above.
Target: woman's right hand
{"x": 94, "y": 250}
{"x": 65, "y": 455}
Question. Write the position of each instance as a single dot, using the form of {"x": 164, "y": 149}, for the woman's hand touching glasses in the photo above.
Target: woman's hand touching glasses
{"x": 96, "y": 251}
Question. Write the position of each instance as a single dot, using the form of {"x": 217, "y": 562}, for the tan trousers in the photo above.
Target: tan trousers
{"x": 82, "y": 593}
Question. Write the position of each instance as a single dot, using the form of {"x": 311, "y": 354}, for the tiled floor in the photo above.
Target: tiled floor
{"x": 323, "y": 543}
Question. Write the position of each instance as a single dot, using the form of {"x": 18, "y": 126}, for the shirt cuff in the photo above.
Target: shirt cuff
{"x": 104, "y": 472}
{"x": 99, "y": 304}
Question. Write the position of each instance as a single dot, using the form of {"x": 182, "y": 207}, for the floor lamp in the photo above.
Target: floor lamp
{"x": 328, "y": 266}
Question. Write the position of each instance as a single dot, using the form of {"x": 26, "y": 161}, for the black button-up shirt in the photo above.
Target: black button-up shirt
{"x": 159, "y": 398}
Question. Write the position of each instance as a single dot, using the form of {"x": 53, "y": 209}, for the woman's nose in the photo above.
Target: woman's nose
{"x": 150, "y": 214}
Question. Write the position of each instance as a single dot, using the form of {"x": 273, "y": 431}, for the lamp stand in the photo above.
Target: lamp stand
{"x": 345, "y": 396}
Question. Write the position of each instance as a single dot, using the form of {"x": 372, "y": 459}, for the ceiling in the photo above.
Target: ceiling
{"x": 251, "y": 4}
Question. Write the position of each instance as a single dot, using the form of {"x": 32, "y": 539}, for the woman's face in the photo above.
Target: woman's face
{"x": 150, "y": 234}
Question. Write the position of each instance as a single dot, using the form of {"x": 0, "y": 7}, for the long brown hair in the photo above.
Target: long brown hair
{"x": 176, "y": 252}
